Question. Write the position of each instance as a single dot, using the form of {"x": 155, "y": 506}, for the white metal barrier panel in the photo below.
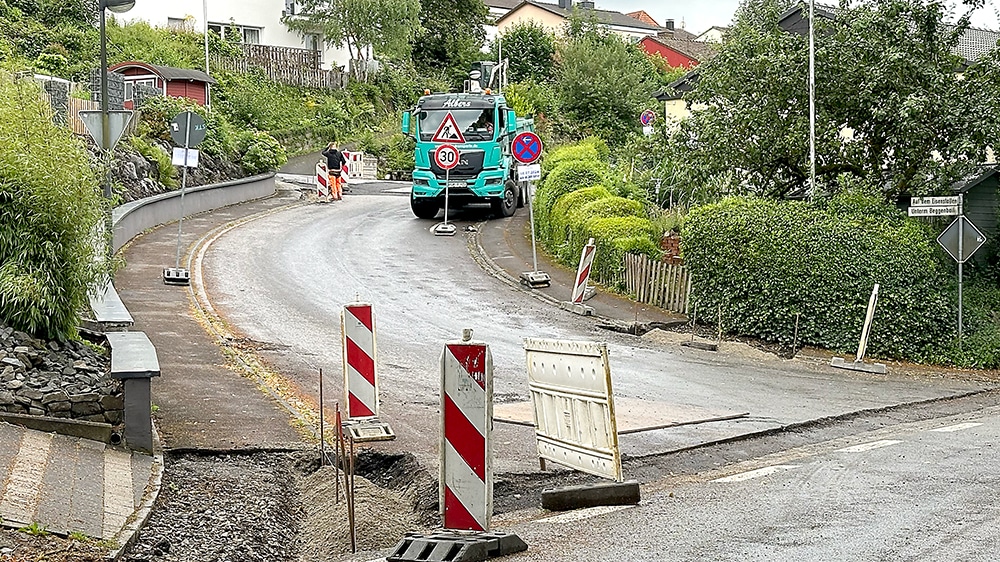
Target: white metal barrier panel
{"x": 466, "y": 489}
{"x": 357, "y": 323}
{"x": 570, "y": 384}
{"x": 322, "y": 181}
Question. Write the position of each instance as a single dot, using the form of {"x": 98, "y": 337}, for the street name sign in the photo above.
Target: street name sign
{"x": 935, "y": 211}
{"x": 961, "y": 232}
{"x": 950, "y": 200}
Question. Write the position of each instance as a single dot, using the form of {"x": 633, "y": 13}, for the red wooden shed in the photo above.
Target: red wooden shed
{"x": 176, "y": 82}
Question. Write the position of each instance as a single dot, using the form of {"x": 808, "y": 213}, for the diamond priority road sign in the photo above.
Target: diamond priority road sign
{"x": 962, "y": 233}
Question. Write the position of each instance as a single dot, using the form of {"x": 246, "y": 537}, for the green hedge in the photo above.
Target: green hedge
{"x": 764, "y": 261}
{"x": 559, "y": 227}
{"x": 565, "y": 178}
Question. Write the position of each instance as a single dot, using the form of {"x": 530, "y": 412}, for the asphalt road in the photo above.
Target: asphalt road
{"x": 283, "y": 279}
{"x": 915, "y": 491}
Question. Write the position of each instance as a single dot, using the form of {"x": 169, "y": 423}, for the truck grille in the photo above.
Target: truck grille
{"x": 469, "y": 166}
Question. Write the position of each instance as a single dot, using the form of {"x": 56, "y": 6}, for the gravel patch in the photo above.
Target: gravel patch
{"x": 225, "y": 508}
{"x": 279, "y": 506}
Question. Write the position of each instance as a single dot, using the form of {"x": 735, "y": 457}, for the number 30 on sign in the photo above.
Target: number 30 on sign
{"x": 446, "y": 156}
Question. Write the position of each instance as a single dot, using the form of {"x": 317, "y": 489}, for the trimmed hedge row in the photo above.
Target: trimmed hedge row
{"x": 573, "y": 205}
{"x": 764, "y": 261}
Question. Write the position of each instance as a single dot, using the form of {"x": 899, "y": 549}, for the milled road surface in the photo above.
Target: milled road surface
{"x": 283, "y": 279}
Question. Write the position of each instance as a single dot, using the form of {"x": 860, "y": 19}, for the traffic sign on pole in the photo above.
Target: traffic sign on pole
{"x": 446, "y": 156}
{"x": 527, "y": 148}
{"x": 934, "y": 201}
{"x": 195, "y": 125}
{"x": 647, "y": 117}
{"x": 449, "y": 131}
{"x": 118, "y": 120}
{"x": 961, "y": 239}
{"x": 932, "y": 211}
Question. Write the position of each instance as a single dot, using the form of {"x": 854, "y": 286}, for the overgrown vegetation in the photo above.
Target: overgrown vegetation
{"x": 50, "y": 206}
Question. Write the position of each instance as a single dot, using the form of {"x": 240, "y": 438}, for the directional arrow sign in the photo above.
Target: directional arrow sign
{"x": 117, "y": 122}
{"x": 971, "y": 239}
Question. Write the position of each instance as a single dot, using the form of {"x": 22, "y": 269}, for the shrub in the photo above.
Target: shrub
{"x": 569, "y": 153}
{"x": 166, "y": 173}
{"x": 50, "y": 206}
{"x": 616, "y": 236}
{"x": 559, "y": 229}
{"x": 260, "y": 152}
{"x": 764, "y": 261}
{"x": 567, "y": 177}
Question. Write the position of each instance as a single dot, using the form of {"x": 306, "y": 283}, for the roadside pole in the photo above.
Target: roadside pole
{"x": 188, "y": 130}
{"x": 960, "y": 240}
{"x": 527, "y": 149}
{"x": 446, "y": 156}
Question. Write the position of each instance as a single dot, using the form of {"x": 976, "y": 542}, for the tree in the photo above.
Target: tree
{"x": 892, "y": 109}
{"x": 452, "y": 36}
{"x": 380, "y": 28}
{"x": 50, "y": 206}
{"x": 603, "y": 84}
{"x": 531, "y": 50}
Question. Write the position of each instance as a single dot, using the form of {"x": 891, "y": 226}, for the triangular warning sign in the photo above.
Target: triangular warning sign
{"x": 448, "y": 131}
{"x": 118, "y": 120}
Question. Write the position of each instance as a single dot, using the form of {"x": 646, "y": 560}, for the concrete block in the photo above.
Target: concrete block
{"x": 591, "y": 495}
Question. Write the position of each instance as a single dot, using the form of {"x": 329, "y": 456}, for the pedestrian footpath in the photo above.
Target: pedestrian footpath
{"x": 200, "y": 401}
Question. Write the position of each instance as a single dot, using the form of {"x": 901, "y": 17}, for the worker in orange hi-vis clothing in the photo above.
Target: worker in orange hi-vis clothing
{"x": 335, "y": 164}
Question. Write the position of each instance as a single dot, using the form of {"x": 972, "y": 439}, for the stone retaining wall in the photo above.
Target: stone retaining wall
{"x": 56, "y": 379}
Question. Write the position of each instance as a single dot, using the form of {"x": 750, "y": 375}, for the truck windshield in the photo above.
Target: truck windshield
{"x": 475, "y": 124}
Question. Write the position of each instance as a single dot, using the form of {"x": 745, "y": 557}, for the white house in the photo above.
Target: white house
{"x": 257, "y": 22}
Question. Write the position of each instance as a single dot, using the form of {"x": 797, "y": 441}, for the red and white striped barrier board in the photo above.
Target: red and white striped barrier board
{"x": 583, "y": 272}
{"x": 466, "y": 490}
{"x": 322, "y": 181}
{"x": 360, "y": 376}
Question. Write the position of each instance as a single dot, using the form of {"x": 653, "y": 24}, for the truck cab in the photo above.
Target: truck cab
{"x": 485, "y": 171}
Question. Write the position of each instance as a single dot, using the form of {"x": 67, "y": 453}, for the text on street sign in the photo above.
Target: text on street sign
{"x": 446, "y": 156}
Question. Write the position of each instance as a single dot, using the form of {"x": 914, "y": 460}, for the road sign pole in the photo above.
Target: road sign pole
{"x": 447, "y": 180}
{"x": 961, "y": 259}
{"x": 184, "y": 174}
{"x": 531, "y": 217}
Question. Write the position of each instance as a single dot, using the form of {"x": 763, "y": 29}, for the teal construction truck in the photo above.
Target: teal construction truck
{"x": 486, "y": 172}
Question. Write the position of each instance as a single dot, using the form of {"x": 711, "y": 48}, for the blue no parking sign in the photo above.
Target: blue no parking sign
{"x": 527, "y": 147}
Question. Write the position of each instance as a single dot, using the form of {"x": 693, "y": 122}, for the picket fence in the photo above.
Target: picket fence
{"x": 654, "y": 282}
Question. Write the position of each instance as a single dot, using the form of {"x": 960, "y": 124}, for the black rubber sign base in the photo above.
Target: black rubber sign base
{"x": 456, "y": 547}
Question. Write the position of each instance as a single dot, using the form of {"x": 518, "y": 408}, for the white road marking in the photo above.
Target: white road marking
{"x": 581, "y": 514}
{"x": 760, "y": 472}
{"x": 868, "y": 446}
{"x": 957, "y": 427}
{"x": 398, "y": 190}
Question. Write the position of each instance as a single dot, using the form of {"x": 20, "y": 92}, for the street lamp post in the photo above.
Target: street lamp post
{"x": 120, "y": 7}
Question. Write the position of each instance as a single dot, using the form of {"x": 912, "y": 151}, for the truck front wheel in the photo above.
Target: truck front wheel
{"x": 424, "y": 208}
{"x": 506, "y": 205}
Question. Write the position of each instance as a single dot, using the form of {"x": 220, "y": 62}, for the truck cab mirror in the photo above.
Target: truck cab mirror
{"x": 406, "y": 123}
{"x": 511, "y": 122}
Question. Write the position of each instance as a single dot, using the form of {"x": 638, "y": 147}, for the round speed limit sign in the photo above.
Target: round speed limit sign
{"x": 446, "y": 156}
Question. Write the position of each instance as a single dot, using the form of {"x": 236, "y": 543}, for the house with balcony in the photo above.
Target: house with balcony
{"x": 252, "y": 22}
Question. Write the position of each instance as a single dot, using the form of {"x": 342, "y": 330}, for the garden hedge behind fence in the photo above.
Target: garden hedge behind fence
{"x": 764, "y": 261}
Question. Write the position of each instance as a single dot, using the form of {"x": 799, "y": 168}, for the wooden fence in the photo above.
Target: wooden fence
{"x": 657, "y": 283}
{"x": 73, "y": 114}
{"x": 285, "y": 65}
